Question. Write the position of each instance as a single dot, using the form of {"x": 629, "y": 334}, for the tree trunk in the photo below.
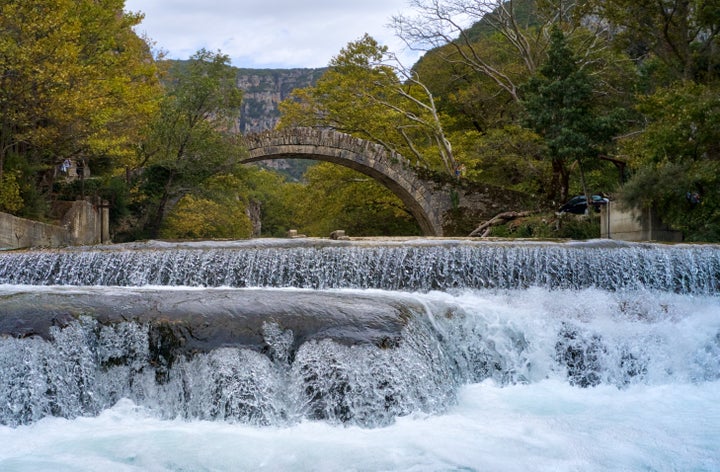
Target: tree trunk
{"x": 584, "y": 187}
{"x": 560, "y": 181}
{"x": 501, "y": 218}
{"x": 153, "y": 226}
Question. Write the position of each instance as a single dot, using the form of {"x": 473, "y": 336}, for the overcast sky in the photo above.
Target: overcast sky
{"x": 268, "y": 33}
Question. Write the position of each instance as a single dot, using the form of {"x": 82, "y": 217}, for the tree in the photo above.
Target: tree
{"x": 278, "y": 199}
{"x": 75, "y": 82}
{"x": 510, "y": 157}
{"x": 350, "y": 201}
{"x": 683, "y": 35}
{"x": 561, "y": 108}
{"x": 521, "y": 24}
{"x": 367, "y": 93}
{"x": 191, "y": 138}
{"x": 217, "y": 209}
{"x": 676, "y": 160}
{"x": 479, "y": 56}
{"x": 474, "y": 101}
{"x": 10, "y": 199}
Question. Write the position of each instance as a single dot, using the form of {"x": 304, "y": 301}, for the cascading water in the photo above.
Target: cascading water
{"x": 421, "y": 266}
{"x": 317, "y": 355}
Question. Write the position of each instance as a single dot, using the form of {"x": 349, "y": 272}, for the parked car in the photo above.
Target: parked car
{"x": 578, "y": 205}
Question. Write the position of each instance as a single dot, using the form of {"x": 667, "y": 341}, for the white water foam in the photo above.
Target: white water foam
{"x": 530, "y": 418}
{"x": 547, "y": 426}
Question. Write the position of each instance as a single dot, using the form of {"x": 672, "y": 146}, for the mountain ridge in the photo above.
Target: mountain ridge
{"x": 264, "y": 89}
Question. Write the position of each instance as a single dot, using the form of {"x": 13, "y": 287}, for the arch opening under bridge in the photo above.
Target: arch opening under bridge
{"x": 389, "y": 168}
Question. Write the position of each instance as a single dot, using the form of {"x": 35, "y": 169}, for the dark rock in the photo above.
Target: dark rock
{"x": 184, "y": 322}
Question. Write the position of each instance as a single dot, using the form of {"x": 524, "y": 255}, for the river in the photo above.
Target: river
{"x": 418, "y": 355}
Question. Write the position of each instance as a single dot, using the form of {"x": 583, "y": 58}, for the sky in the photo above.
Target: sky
{"x": 280, "y": 34}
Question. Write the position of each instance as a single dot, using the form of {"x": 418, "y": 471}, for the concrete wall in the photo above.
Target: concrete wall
{"x": 18, "y": 233}
{"x": 83, "y": 224}
{"x": 87, "y": 223}
{"x": 632, "y": 224}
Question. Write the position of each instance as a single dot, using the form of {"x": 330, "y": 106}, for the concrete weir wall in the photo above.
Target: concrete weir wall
{"x": 617, "y": 222}
{"x": 83, "y": 224}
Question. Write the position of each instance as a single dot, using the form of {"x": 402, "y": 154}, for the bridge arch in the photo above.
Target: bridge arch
{"x": 387, "y": 167}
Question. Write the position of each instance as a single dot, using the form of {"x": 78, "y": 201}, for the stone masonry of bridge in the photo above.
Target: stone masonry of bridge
{"x": 438, "y": 208}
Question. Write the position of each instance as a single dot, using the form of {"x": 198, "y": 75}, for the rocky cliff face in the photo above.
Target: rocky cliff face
{"x": 263, "y": 89}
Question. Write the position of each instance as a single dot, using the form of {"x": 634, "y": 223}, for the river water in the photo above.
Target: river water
{"x": 424, "y": 355}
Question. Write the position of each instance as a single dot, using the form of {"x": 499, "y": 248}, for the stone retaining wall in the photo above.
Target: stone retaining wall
{"x": 83, "y": 224}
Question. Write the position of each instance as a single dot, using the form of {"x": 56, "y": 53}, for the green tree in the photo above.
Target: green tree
{"x": 676, "y": 159}
{"x": 474, "y": 101}
{"x": 561, "y": 107}
{"x": 217, "y": 209}
{"x": 476, "y": 73}
{"x": 10, "y": 199}
{"x": 461, "y": 28}
{"x": 366, "y": 93}
{"x": 191, "y": 139}
{"x": 75, "y": 82}
{"x": 278, "y": 199}
{"x": 682, "y": 35}
{"x": 511, "y": 157}
{"x": 350, "y": 201}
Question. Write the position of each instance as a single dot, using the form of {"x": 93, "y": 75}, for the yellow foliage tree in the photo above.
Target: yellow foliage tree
{"x": 217, "y": 209}
{"x": 10, "y": 200}
{"x": 75, "y": 82}
{"x": 200, "y": 218}
{"x": 339, "y": 198}
{"x": 366, "y": 93}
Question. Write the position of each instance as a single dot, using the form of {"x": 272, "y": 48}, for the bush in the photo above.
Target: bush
{"x": 200, "y": 218}
{"x": 10, "y": 199}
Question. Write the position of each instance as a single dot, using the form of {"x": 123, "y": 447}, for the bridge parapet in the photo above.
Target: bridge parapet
{"x": 325, "y": 138}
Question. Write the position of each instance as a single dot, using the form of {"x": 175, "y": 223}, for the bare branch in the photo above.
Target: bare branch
{"x": 501, "y": 218}
{"x": 446, "y": 23}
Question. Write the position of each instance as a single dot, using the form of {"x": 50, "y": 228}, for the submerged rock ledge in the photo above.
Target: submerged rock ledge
{"x": 189, "y": 321}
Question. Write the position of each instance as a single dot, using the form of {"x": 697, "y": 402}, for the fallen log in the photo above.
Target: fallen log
{"x": 500, "y": 218}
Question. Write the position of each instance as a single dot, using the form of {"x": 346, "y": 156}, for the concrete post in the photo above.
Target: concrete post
{"x": 104, "y": 222}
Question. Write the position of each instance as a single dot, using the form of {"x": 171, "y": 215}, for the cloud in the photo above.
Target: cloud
{"x": 270, "y": 33}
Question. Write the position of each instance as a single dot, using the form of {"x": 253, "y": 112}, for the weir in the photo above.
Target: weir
{"x": 415, "y": 266}
{"x": 277, "y": 332}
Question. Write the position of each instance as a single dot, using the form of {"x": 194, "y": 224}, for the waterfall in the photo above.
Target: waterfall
{"x": 383, "y": 358}
{"x": 390, "y": 266}
{"x": 380, "y": 340}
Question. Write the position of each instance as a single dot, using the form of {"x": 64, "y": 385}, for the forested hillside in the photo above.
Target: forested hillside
{"x": 552, "y": 99}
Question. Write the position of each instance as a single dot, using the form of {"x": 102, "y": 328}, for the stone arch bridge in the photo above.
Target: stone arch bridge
{"x": 435, "y": 206}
